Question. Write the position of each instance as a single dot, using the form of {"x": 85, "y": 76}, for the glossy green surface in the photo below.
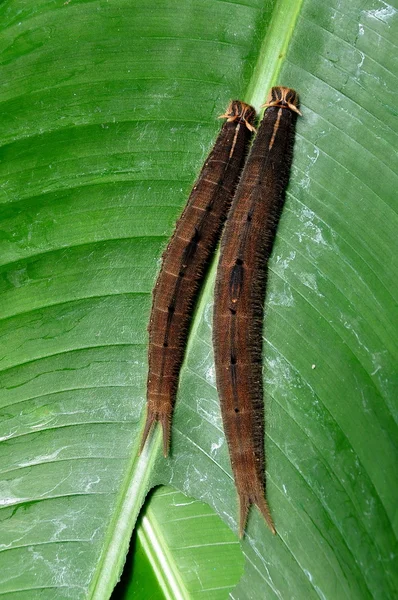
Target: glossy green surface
{"x": 182, "y": 549}
{"x": 108, "y": 110}
{"x": 138, "y": 580}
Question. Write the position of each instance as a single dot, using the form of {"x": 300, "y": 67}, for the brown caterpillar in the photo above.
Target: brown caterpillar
{"x": 184, "y": 262}
{"x": 246, "y": 245}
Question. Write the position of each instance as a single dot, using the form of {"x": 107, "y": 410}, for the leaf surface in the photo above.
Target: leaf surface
{"x": 108, "y": 111}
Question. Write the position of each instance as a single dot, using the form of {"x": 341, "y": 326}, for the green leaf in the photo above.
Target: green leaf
{"x": 182, "y": 548}
{"x": 108, "y": 110}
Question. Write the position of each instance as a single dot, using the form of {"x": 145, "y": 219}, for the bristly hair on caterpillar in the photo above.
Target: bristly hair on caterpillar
{"x": 184, "y": 262}
{"x": 246, "y": 246}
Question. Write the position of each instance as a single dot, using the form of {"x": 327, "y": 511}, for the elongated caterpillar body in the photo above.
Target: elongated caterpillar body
{"x": 184, "y": 262}
{"x": 239, "y": 296}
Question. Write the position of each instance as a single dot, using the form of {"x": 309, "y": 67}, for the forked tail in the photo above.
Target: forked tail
{"x": 257, "y": 498}
{"x": 151, "y": 419}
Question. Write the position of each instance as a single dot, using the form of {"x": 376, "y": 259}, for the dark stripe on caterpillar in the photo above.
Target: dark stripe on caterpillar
{"x": 184, "y": 262}
{"x": 246, "y": 245}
